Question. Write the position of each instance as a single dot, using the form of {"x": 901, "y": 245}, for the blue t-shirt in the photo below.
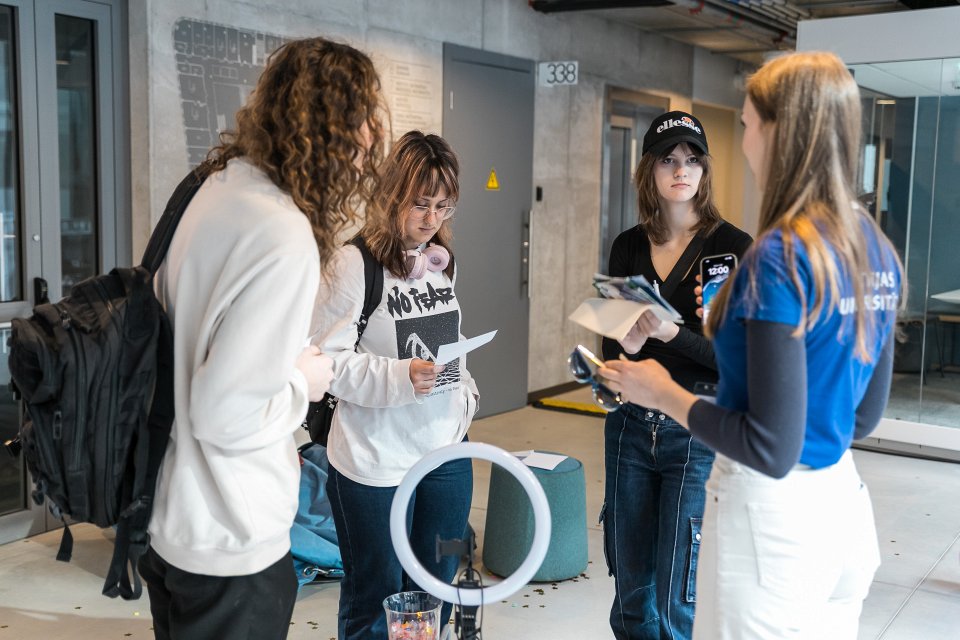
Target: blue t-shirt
{"x": 836, "y": 378}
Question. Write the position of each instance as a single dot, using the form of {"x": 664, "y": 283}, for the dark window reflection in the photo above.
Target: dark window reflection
{"x": 10, "y": 279}
{"x": 76, "y": 115}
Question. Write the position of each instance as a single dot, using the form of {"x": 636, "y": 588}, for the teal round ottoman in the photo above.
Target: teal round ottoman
{"x": 508, "y": 532}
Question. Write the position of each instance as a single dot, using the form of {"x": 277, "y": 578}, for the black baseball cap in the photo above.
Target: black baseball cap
{"x": 670, "y": 129}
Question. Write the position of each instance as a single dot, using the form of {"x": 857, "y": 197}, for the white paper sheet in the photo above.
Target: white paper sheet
{"x": 614, "y": 318}
{"x": 948, "y": 296}
{"x": 548, "y": 461}
{"x": 454, "y": 350}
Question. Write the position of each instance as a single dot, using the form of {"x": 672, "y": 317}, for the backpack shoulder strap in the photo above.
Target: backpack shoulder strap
{"x": 163, "y": 234}
{"x": 132, "y": 540}
{"x": 373, "y": 285}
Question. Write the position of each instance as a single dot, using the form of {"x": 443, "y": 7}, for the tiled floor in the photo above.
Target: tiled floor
{"x": 916, "y": 594}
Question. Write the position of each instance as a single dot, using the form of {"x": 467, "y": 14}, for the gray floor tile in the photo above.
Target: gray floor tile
{"x": 880, "y": 608}
{"x": 917, "y": 513}
{"x": 945, "y": 577}
{"x": 926, "y": 616}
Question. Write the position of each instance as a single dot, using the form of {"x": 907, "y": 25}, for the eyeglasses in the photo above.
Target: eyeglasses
{"x": 443, "y": 213}
{"x": 583, "y": 366}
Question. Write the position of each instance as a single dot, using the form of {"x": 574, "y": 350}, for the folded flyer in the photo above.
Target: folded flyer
{"x": 622, "y": 302}
{"x": 636, "y": 288}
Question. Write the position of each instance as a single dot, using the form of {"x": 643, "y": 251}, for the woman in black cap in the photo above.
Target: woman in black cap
{"x": 655, "y": 472}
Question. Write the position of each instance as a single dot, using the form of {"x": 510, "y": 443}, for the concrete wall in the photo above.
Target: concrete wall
{"x": 568, "y": 120}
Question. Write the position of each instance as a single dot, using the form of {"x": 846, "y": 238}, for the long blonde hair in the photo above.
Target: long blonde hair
{"x": 302, "y": 126}
{"x": 418, "y": 165}
{"x": 812, "y": 158}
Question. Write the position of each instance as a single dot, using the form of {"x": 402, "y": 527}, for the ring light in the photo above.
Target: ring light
{"x": 416, "y": 570}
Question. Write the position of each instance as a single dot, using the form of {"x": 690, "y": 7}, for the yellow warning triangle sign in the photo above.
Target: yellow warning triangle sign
{"x": 492, "y": 183}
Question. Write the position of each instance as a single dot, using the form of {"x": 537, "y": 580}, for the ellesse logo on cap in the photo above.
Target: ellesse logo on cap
{"x": 682, "y": 122}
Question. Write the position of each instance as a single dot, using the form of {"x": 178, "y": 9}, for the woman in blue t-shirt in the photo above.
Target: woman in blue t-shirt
{"x": 803, "y": 338}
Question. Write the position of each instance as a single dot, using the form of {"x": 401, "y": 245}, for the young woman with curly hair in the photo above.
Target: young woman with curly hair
{"x": 395, "y": 404}
{"x": 239, "y": 284}
{"x": 803, "y": 336}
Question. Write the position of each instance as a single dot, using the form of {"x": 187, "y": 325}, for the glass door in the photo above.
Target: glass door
{"x": 58, "y": 184}
{"x": 20, "y": 250}
{"x": 911, "y": 160}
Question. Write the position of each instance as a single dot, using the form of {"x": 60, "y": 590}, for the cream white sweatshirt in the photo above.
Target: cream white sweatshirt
{"x": 381, "y": 428}
{"x": 239, "y": 284}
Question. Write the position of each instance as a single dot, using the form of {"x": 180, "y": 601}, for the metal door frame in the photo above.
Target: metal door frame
{"x": 35, "y": 54}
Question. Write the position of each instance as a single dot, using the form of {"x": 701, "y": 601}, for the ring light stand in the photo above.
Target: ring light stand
{"x": 468, "y": 595}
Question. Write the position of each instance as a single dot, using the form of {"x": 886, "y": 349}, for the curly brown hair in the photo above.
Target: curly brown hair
{"x": 648, "y": 196}
{"x": 418, "y": 165}
{"x": 313, "y": 126}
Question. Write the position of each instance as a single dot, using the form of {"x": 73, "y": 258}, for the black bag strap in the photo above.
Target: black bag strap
{"x": 317, "y": 423}
{"x": 373, "y": 285}
{"x": 162, "y": 235}
{"x": 132, "y": 539}
{"x": 684, "y": 263}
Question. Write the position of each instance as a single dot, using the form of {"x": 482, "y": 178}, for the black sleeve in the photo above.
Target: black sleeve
{"x": 694, "y": 346}
{"x": 874, "y": 401}
{"x": 743, "y": 243}
{"x": 769, "y": 436}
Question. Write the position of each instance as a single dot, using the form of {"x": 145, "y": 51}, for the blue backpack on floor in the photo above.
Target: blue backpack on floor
{"x": 313, "y": 537}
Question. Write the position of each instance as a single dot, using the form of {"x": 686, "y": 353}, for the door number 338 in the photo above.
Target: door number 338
{"x": 558, "y": 73}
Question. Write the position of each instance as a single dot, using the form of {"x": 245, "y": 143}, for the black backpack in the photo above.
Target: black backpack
{"x": 95, "y": 372}
{"x": 320, "y": 414}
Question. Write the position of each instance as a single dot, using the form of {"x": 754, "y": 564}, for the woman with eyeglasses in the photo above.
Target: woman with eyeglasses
{"x": 395, "y": 404}
{"x": 655, "y": 472}
{"x": 804, "y": 340}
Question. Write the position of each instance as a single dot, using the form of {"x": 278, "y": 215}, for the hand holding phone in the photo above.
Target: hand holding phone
{"x": 714, "y": 271}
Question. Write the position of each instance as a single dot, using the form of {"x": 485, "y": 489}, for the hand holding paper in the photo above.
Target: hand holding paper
{"x": 624, "y": 301}
{"x": 614, "y": 318}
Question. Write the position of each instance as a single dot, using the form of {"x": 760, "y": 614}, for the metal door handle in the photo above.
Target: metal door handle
{"x": 41, "y": 291}
{"x": 526, "y": 243}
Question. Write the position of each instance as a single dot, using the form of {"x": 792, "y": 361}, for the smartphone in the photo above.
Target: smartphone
{"x": 714, "y": 271}
{"x": 589, "y": 357}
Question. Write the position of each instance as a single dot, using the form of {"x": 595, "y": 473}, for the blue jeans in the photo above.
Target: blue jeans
{"x": 439, "y": 507}
{"x": 653, "y": 508}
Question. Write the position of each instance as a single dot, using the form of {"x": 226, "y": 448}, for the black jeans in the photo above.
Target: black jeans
{"x": 190, "y": 606}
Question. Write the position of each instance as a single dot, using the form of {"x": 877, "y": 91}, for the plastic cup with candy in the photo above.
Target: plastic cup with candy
{"x": 412, "y": 615}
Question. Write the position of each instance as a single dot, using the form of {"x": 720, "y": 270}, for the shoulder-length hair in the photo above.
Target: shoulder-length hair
{"x": 418, "y": 165}
{"x": 648, "y": 196}
{"x": 812, "y": 159}
{"x": 303, "y": 126}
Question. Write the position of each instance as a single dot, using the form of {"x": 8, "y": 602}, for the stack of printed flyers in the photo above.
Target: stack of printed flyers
{"x": 622, "y": 301}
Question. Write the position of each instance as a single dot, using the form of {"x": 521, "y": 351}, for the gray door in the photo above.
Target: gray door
{"x": 488, "y": 120}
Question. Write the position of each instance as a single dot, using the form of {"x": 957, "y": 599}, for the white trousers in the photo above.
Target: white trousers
{"x": 790, "y": 558}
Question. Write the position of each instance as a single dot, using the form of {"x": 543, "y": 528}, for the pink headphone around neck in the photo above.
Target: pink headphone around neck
{"x": 433, "y": 258}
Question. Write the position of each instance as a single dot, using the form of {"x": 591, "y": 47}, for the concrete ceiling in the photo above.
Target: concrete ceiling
{"x": 743, "y": 29}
